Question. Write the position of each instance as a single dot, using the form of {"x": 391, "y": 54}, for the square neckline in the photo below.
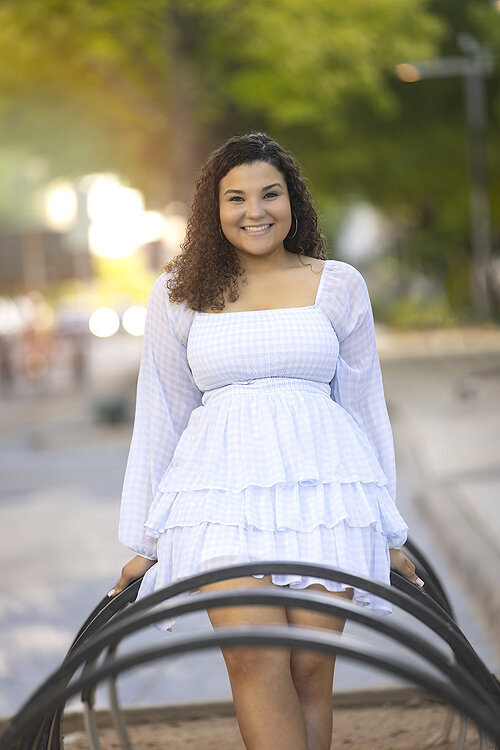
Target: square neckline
{"x": 275, "y": 309}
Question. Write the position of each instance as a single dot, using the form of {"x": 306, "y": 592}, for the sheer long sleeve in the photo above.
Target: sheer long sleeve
{"x": 357, "y": 384}
{"x": 166, "y": 396}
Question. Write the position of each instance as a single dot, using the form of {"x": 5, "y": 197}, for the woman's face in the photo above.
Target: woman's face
{"x": 254, "y": 208}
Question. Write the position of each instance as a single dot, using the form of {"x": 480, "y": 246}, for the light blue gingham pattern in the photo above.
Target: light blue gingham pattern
{"x": 263, "y": 422}
{"x": 166, "y": 397}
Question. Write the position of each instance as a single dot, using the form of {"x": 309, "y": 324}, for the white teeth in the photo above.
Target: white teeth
{"x": 257, "y": 229}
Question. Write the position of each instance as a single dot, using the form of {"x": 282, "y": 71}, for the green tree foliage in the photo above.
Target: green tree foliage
{"x": 149, "y": 87}
{"x": 164, "y": 79}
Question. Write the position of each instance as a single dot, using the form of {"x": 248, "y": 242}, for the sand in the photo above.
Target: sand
{"x": 409, "y": 726}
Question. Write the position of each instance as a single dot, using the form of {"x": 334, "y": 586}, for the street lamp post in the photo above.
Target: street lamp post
{"x": 473, "y": 69}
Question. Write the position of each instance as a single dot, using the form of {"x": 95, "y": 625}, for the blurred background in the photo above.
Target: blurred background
{"x": 106, "y": 112}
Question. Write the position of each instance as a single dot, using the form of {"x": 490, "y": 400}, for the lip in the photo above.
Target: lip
{"x": 257, "y": 234}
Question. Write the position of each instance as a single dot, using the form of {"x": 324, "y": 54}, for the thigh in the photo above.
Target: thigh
{"x": 249, "y": 658}
{"x": 308, "y": 618}
{"x": 243, "y": 615}
{"x": 312, "y": 671}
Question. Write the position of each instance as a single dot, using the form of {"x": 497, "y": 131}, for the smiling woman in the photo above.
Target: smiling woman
{"x": 254, "y": 204}
{"x": 245, "y": 185}
{"x": 262, "y": 433}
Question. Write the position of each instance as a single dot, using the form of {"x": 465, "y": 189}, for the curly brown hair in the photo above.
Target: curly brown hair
{"x": 208, "y": 266}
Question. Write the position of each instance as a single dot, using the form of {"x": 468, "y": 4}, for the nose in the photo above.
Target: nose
{"x": 255, "y": 208}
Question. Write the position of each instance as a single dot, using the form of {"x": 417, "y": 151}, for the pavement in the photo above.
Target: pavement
{"x": 443, "y": 393}
{"x": 59, "y": 499}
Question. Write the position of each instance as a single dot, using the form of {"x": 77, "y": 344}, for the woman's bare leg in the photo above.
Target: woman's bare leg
{"x": 312, "y": 673}
{"x": 265, "y": 699}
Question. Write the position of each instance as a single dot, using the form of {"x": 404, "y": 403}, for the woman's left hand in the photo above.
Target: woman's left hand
{"x": 402, "y": 565}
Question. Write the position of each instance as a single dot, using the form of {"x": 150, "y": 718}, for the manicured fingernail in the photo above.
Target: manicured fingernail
{"x": 110, "y": 593}
{"x": 419, "y": 582}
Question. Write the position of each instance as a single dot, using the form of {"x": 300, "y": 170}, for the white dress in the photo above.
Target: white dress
{"x": 263, "y": 435}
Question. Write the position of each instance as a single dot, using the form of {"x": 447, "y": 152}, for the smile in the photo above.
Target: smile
{"x": 257, "y": 229}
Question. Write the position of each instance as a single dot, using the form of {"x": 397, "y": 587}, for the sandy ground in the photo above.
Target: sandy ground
{"x": 388, "y": 727}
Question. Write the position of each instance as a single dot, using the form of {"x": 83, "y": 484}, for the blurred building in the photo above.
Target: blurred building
{"x": 39, "y": 259}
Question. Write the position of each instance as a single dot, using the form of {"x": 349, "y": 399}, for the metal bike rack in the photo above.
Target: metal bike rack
{"x": 467, "y": 685}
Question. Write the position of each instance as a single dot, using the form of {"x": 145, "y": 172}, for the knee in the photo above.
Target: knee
{"x": 245, "y": 661}
{"x": 312, "y": 673}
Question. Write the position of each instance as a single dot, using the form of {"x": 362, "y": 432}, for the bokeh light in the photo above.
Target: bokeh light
{"x": 104, "y": 322}
{"x": 407, "y": 72}
{"x": 119, "y": 225}
{"x": 60, "y": 205}
{"x": 134, "y": 319}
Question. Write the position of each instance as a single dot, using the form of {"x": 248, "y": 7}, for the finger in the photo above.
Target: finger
{"x": 410, "y": 570}
{"x": 118, "y": 587}
{"x": 413, "y": 576}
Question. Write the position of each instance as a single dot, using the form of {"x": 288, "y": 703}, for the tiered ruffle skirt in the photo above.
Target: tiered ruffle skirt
{"x": 278, "y": 474}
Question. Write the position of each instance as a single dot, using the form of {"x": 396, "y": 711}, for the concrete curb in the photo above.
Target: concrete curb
{"x": 436, "y": 342}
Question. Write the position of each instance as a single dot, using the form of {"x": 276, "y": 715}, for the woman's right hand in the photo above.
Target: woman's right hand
{"x": 404, "y": 566}
{"x": 131, "y": 571}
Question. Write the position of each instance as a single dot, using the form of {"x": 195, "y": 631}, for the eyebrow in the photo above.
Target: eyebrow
{"x": 242, "y": 192}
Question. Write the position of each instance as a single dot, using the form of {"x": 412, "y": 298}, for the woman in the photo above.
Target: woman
{"x": 261, "y": 429}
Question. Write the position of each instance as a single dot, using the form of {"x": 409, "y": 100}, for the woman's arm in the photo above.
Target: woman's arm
{"x": 357, "y": 384}
{"x": 166, "y": 396}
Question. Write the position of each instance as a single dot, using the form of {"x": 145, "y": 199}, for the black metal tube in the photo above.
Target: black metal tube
{"x": 310, "y": 600}
{"x": 291, "y": 636}
{"x": 430, "y": 571}
{"x": 413, "y": 604}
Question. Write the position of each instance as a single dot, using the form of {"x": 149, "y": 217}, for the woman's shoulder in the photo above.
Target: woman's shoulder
{"x": 344, "y": 295}
{"x": 177, "y": 315}
{"x": 160, "y": 293}
{"x": 344, "y": 285}
{"x": 342, "y": 272}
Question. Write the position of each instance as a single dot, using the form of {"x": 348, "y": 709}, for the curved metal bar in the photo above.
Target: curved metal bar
{"x": 96, "y": 620}
{"x": 92, "y": 616}
{"x": 436, "y": 590}
{"x": 102, "y": 613}
{"x": 437, "y": 619}
{"x": 311, "y": 600}
{"x": 412, "y": 604}
{"x": 221, "y": 574}
{"x": 402, "y": 584}
{"x": 430, "y": 571}
{"x": 315, "y": 601}
{"x": 410, "y": 640}
{"x": 430, "y": 585}
{"x": 113, "y": 605}
{"x": 296, "y": 637}
{"x": 87, "y": 698}
{"x": 88, "y": 695}
{"x": 466, "y": 656}
{"x": 100, "y": 616}
{"x": 106, "y": 609}
{"x": 268, "y": 596}
{"x": 442, "y": 736}
{"x": 463, "y": 733}
{"x": 91, "y": 727}
{"x": 118, "y": 720}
